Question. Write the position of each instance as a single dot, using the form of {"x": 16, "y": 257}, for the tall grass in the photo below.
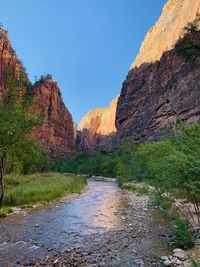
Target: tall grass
{"x": 36, "y": 188}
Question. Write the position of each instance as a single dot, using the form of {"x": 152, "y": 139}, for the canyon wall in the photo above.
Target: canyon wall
{"x": 97, "y": 128}
{"x": 161, "y": 86}
{"x": 56, "y": 134}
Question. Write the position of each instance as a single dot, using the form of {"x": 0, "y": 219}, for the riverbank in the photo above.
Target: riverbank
{"x": 168, "y": 216}
{"x": 26, "y": 190}
{"x": 104, "y": 226}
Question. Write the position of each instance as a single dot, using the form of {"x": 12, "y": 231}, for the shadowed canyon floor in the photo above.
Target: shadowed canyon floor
{"x": 104, "y": 226}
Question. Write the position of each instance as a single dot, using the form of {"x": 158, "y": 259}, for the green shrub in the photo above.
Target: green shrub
{"x": 154, "y": 200}
{"x": 142, "y": 190}
{"x": 129, "y": 186}
{"x": 194, "y": 262}
{"x": 182, "y": 235}
{"x": 4, "y": 211}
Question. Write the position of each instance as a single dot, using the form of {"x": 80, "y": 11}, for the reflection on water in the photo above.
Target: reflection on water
{"x": 95, "y": 211}
{"x": 102, "y": 217}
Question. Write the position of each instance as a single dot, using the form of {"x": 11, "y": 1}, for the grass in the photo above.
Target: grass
{"x": 139, "y": 189}
{"x": 26, "y": 190}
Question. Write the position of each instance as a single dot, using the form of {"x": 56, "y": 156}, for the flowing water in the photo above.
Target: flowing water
{"x": 109, "y": 221}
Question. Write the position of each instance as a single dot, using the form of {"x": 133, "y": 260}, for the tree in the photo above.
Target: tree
{"x": 16, "y": 118}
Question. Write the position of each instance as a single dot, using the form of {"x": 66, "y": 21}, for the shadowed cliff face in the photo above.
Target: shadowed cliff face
{"x": 97, "y": 128}
{"x": 56, "y": 134}
{"x": 155, "y": 95}
{"x": 161, "y": 86}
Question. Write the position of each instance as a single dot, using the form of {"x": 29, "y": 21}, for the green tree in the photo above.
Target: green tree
{"x": 16, "y": 118}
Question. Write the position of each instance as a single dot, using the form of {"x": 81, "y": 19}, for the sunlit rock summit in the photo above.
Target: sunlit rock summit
{"x": 56, "y": 134}
{"x": 97, "y": 128}
{"x": 162, "y": 86}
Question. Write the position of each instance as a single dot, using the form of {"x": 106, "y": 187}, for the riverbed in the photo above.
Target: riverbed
{"x": 104, "y": 226}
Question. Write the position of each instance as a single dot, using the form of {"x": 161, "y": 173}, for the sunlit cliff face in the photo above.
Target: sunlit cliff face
{"x": 167, "y": 30}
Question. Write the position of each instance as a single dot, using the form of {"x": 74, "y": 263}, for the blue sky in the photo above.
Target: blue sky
{"x": 87, "y": 45}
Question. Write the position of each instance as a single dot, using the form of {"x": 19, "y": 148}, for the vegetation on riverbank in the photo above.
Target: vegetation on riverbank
{"x": 26, "y": 190}
{"x": 170, "y": 167}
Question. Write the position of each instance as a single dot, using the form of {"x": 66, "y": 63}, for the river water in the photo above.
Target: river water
{"x": 105, "y": 225}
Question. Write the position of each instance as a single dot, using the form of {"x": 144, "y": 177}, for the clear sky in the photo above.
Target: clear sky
{"x": 87, "y": 45}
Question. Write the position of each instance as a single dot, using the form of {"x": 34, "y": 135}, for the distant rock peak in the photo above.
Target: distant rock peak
{"x": 97, "y": 128}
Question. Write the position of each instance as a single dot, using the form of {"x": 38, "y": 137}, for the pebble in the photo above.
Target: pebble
{"x": 56, "y": 261}
{"x": 167, "y": 263}
{"x": 179, "y": 255}
{"x": 164, "y": 258}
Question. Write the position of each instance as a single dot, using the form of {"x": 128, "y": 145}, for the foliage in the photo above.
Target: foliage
{"x": 16, "y": 120}
{"x": 4, "y": 211}
{"x": 42, "y": 78}
{"x": 142, "y": 190}
{"x": 36, "y": 188}
{"x": 194, "y": 262}
{"x": 101, "y": 163}
{"x": 27, "y": 157}
{"x": 129, "y": 186}
{"x": 188, "y": 46}
{"x": 171, "y": 167}
{"x": 182, "y": 235}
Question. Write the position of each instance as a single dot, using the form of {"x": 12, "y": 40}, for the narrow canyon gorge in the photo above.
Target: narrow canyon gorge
{"x": 160, "y": 88}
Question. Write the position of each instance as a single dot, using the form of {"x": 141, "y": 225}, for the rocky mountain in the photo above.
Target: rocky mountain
{"x": 162, "y": 86}
{"x": 97, "y": 128}
{"x": 56, "y": 134}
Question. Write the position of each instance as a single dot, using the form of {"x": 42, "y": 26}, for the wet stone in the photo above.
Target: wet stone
{"x": 104, "y": 226}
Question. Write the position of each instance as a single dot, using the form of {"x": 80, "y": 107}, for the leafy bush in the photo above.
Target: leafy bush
{"x": 188, "y": 46}
{"x": 27, "y": 157}
{"x": 142, "y": 190}
{"x": 182, "y": 236}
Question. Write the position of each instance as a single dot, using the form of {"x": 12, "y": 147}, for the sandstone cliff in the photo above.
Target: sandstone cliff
{"x": 8, "y": 57}
{"x": 97, "y": 128}
{"x": 56, "y": 134}
{"x": 161, "y": 86}
{"x": 170, "y": 26}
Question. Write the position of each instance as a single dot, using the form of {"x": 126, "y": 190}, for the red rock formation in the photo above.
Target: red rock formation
{"x": 161, "y": 86}
{"x": 97, "y": 128}
{"x": 56, "y": 134}
{"x": 7, "y": 58}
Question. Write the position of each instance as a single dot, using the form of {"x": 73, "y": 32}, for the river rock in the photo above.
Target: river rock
{"x": 16, "y": 210}
{"x": 167, "y": 263}
{"x": 180, "y": 255}
{"x": 164, "y": 258}
{"x": 177, "y": 250}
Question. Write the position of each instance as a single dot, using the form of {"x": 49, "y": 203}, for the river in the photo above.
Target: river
{"x": 104, "y": 226}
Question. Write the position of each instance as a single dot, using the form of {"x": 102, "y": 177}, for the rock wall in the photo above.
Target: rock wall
{"x": 161, "y": 86}
{"x": 97, "y": 128}
{"x": 167, "y": 30}
{"x": 8, "y": 57}
{"x": 56, "y": 134}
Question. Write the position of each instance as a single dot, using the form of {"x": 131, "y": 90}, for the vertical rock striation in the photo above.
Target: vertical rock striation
{"x": 161, "y": 86}
{"x": 56, "y": 133}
